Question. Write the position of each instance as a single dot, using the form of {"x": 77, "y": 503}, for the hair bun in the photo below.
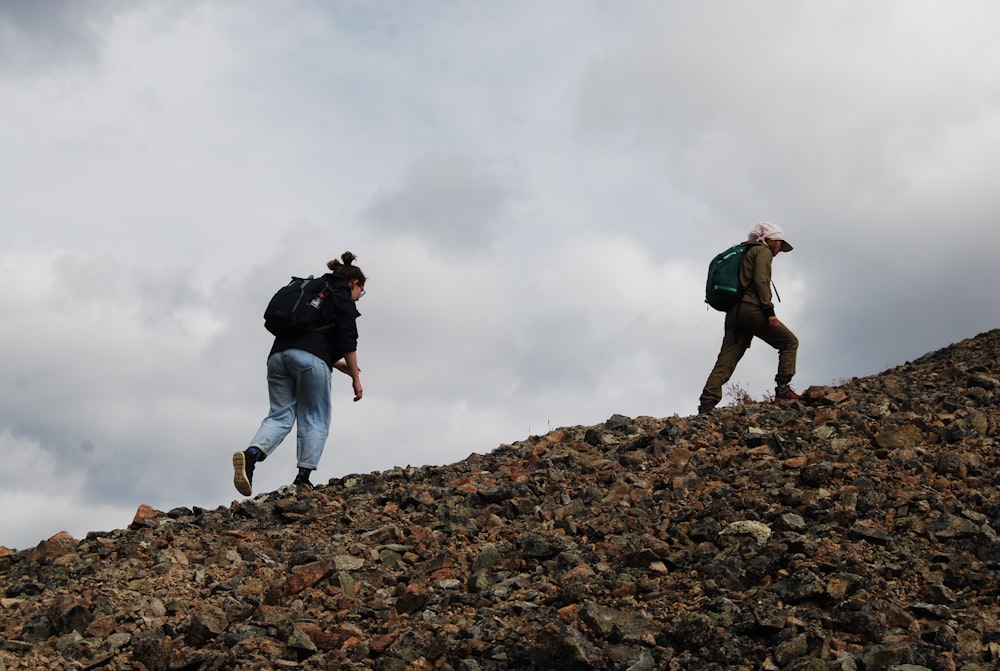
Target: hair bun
{"x": 344, "y": 267}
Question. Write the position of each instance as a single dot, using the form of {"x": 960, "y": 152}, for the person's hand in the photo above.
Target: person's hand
{"x": 342, "y": 367}
{"x": 773, "y": 322}
{"x": 358, "y": 391}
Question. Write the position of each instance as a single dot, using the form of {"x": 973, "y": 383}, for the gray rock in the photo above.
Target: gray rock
{"x": 610, "y": 623}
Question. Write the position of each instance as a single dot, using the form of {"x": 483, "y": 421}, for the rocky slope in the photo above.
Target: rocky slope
{"x": 855, "y": 529}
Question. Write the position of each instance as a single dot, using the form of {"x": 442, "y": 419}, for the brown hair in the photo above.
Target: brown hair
{"x": 346, "y": 270}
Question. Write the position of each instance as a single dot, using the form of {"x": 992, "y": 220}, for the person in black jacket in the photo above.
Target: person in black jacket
{"x": 298, "y": 379}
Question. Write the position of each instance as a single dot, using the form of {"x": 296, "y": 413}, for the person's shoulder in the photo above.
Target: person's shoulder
{"x": 335, "y": 282}
{"x": 755, "y": 251}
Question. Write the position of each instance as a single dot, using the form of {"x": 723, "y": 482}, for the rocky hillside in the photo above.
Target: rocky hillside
{"x": 855, "y": 529}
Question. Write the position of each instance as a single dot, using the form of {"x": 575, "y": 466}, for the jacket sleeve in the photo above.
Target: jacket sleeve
{"x": 759, "y": 287}
{"x": 344, "y": 334}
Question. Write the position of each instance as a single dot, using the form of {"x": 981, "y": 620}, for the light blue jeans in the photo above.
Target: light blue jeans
{"x": 298, "y": 386}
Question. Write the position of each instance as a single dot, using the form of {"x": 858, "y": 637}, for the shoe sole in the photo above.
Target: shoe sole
{"x": 240, "y": 478}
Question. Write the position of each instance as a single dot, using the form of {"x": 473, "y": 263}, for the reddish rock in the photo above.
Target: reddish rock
{"x": 51, "y": 549}
{"x": 824, "y": 395}
{"x": 146, "y": 515}
{"x": 101, "y": 626}
{"x": 307, "y": 576}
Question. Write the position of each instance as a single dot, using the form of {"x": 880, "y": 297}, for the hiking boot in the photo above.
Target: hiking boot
{"x": 784, "y": 393}
{"x": 302, "y": 479}
{"x": 243, "y": 464}
{"x": 705, "y": 407}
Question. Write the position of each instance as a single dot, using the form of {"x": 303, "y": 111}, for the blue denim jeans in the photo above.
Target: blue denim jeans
{"x": 298, "y": 386}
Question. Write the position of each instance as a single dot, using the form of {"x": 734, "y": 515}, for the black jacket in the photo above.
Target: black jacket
{"x": 333, "y": 343}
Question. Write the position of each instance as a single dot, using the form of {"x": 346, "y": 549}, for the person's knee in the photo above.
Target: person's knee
{"x": 788, "y": 342}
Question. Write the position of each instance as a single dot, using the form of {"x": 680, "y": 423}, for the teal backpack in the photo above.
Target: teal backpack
{"x": 723, "y": 290}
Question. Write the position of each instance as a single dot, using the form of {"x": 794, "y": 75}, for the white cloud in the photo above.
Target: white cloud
{"x": 453, "y": 202}
{"x": 42, "y": 495}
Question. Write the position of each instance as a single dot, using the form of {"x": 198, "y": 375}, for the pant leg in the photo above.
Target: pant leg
{"x": 780, "y": 338}
{"x": 281, "y": 395}
{"x": 783, "y": 340}
{"x": 312, "y": 412}
{"x": 734, "y": 345}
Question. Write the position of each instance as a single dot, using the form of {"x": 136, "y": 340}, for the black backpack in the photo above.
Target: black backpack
{"x": 722, "y": 290}
{"x": 299, "y": 307}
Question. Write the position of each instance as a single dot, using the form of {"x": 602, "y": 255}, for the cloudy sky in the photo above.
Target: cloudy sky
{"x": 534, "y": 189}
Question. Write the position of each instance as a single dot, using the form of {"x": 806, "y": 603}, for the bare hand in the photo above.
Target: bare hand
{"x": 358, "y": 391}
{"x": 342, "y": 367}
{"x": 773, "y": 322}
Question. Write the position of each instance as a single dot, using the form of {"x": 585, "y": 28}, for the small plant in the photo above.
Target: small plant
{"x": 737, "y": 394}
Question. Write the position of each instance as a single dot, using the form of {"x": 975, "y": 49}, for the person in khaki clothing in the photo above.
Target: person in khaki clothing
{"x": 753, "y": 316}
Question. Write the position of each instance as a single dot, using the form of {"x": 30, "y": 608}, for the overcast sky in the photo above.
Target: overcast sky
{"x": 534, "y": 189}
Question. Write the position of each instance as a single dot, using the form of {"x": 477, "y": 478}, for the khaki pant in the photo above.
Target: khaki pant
{"x": 743, "y": 323}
